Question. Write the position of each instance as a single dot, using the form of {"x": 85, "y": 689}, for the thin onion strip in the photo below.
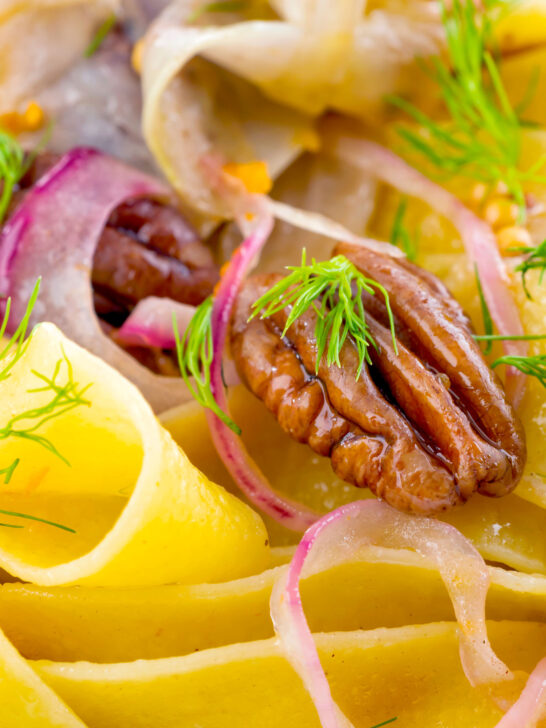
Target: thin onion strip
{"x": 343, "y": 535}
{"x": 230, "y": 447}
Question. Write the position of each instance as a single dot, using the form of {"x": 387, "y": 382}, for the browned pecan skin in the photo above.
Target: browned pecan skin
{"x": 439, "y": 337}
{"x": 147, "y": 248}
{"x": 398, "y": 432}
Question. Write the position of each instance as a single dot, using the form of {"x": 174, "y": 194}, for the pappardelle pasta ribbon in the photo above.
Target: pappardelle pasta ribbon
{"x": 100, "y": 493}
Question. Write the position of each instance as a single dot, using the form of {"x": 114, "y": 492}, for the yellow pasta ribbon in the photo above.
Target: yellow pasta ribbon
{"x": 411, "y": 673}
{"x": 138, "y": 511}
{"x": 25, "y": 701}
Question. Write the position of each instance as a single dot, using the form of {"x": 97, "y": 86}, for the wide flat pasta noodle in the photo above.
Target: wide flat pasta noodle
{"x": 386, "y": 589}
{"x": 25, "y": 701}
{"x": 412, "y": 673}
{"x": 509, "y": 530}
{"x": 142, "y": 514}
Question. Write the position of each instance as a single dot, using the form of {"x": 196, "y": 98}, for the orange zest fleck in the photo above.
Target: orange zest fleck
{"x": 136, "y": 56}
{"x": 16, "y": 122}
{"x": 253, "y": 175}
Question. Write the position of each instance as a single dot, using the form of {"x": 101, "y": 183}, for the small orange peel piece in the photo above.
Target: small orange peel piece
{"x": 16, "y": 122}
{"x": 136, "y": 56}
{"x": 254, "y": 176}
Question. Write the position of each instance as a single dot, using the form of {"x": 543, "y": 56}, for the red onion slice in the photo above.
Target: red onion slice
{"x": 531, "y": 704}
{"x": 314, "y": 222}
{"x": 230, "y": 447}
{"x": 343, "y": 535}
{"x": 53, "y": 234}
{"x": 151, "y": 323}
{"x": 478, "y": 237}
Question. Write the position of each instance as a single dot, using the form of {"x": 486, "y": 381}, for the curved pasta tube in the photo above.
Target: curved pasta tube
{"x": 119, "y": 502}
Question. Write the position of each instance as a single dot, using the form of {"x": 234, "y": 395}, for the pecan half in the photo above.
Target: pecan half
{"x": 147, "y": 248}
{"x": 423, "y": 428}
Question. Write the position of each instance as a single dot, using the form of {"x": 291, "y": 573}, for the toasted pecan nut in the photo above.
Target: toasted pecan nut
{"x": 127, "y": 270}
{"x": 147, "y": 248}
{"x": 406, "y": 428}
{"x": 440, "y": 338}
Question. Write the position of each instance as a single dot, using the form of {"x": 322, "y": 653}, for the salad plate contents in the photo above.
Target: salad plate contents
{"x": 273, "y": 364}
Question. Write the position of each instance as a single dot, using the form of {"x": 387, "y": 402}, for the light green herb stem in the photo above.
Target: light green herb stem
{"x": 334, "y": 290}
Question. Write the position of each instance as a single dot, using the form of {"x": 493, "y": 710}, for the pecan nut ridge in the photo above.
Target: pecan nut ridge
{"x": 399, "y": 429}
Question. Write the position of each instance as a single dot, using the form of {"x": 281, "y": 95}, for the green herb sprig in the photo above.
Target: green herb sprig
{"x": 334, "y": 289}
{"x": 14, "y": 163}
{"x": 535, "y": 260}
{"x": 502, "y": 337}
{"x": 25, "y": 425}
{"x": 385, "y": 722}
{"x": 13, "y": 166}
{"x": 64, "y": 398}
{"x": 8, "y": 472}
{"x": 482, "y": 138}
{"x": 28, "y": 517}
{"x": 486, "y": 315}
{"x": 194, "y": 351}
{"x": 401, "y": 236}
{"x": 533, "y": 366}
{"x": 100, "y": 36}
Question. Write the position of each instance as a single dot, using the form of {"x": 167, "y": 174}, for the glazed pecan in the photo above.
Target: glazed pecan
{"x": 422, "y": 428}
{"x": 146, "y": 249}
{"x": 149, "y": 249}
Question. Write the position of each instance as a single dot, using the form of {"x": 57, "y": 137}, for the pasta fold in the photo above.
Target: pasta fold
{"x": 388, "y": 589}
{"x": 120, "y": 504}
{"x": 26, "y": 702}
{"x": 509, "y": 530}
{"x": 411, "y": 673}
{"x": 242, "y": 86}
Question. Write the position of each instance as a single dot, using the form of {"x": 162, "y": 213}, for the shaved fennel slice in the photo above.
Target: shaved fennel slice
{"x": 53, "y": 234}
{"x": 58, "y": 31}
{"x": 292, "y": 70}
{"x": 343, "y": 534}
{"x": 189, "y": 119}
{"x": 316, "y": 223}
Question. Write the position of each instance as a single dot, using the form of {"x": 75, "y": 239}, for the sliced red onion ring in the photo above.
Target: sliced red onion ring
{"x": 343, "y": 535}
{"x": 478, "y": 237}
{"x": 314, "y": 222}
{"x": 53, "y": 234}
{"x": 230, "y": 447}
{"x": 151, "y": 323}
{"x": 531, "y": 704}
